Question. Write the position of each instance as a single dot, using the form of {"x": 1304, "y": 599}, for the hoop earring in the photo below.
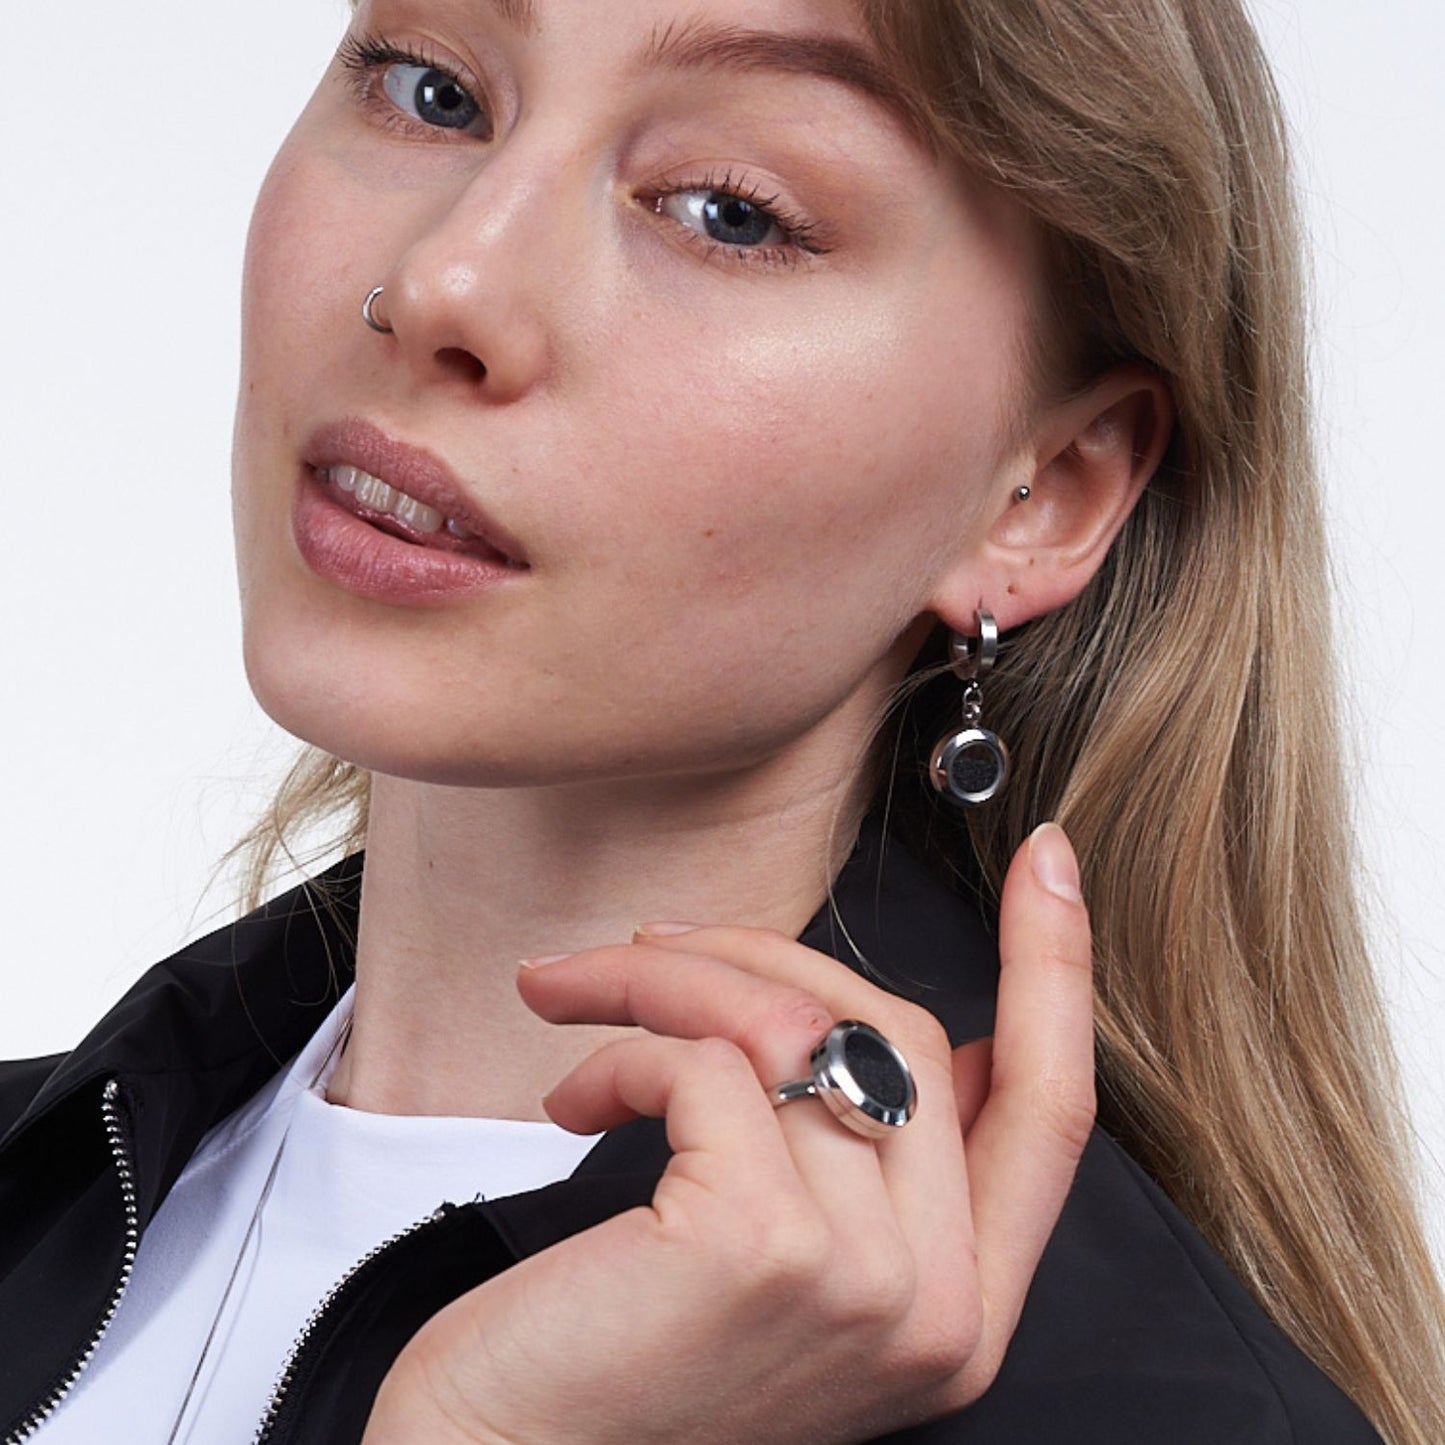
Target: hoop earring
{"x": 970, "y": 766}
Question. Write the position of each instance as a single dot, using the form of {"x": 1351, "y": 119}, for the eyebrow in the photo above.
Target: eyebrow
{"x": 699, "y": 45}
{"x": 519, "y": 14}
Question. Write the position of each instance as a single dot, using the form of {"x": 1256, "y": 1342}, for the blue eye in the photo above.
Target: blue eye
{"x": 429, "y": 95}
{"x": 734, "y": 219}
{"x": 728, "y": 219}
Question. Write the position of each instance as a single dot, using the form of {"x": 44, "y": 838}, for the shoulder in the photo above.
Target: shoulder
{"x": 1136, "y": 1332}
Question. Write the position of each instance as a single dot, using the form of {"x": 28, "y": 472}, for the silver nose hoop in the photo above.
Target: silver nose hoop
{"x": 368, "y": 311}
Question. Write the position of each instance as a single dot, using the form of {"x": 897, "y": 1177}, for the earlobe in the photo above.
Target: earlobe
{"x": 1060, "y": 507}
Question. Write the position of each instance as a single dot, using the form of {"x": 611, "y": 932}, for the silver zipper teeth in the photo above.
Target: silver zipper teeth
{"x": 283, "y": 1379}
{"x": 110, "y": 1108}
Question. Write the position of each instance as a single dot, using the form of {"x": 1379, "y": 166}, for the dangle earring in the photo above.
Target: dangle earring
{"x": 970, "y": 766}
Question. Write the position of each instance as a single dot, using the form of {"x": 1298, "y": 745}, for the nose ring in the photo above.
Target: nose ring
{"x": 368, "y": 314}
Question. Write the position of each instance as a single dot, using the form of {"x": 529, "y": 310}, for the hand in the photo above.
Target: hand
{"x": 791, "y": 1281}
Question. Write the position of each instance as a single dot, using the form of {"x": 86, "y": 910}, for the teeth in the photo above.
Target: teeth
{"x": 418, "y": 514}
{"x": 373, "y": 492}
{"x": 380, "y": 496}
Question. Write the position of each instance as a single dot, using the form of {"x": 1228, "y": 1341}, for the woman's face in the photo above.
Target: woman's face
{"x": 682, "y": 315}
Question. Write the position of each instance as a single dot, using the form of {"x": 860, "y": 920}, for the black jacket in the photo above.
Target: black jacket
{"x": 1133, "y": 1331}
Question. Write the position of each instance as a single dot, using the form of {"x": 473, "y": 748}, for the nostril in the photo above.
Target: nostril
{"x": 461, "y": 363}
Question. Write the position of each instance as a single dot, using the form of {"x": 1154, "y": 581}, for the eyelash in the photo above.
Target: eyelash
{"x": 364, "y": 57}
{"x": 800, "y": 235}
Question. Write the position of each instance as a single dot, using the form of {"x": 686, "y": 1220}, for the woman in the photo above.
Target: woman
{"x": 717, "y": 365}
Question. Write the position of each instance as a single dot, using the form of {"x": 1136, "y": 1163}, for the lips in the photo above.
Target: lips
{"x": 405, "y": 491}
{"x": 385, "y": 520}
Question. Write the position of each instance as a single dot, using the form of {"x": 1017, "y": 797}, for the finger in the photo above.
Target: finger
{"x": 705, "y": 1089}
{"x": 972, "y": 1070}
{"x": 923, "y": 1173}
{"x": 768, "y": 953}
{"x": 776, "y": 1025}
{"x": 687, "y": 996}
{"x": 916, "y": 1033}
{"x": 1025, "y": 1143}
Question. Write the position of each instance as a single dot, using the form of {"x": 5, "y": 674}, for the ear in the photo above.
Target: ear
{"x": 1086, "y": 464}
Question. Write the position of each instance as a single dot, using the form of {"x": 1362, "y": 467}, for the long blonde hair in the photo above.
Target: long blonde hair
{"x": 1179, "y": 718}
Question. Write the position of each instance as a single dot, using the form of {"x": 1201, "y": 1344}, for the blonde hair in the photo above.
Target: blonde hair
{"x": 1179, "y": 717}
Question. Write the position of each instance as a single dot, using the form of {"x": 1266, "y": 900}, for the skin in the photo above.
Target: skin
{"x": 748, "y": 487}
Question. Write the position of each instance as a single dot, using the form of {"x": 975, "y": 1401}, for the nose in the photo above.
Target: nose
{"x": 469, "y": 298}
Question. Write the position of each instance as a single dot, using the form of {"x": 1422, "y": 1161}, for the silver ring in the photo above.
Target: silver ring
{"x": 860, "y": 1076}
{"x": 369, "y": 316}
{"x": 971, "y": 657}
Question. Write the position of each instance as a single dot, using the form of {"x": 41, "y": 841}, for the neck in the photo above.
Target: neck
{"x": 462, "y": 883}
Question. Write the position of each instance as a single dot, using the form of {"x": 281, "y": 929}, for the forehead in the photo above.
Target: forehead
{"x": 532, "y": 16}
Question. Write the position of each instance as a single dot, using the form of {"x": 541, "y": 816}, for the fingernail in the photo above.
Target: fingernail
{"x": 668, "y": 928}
{"x": 1054, "y": 863}
{"x": 542, "y": 959}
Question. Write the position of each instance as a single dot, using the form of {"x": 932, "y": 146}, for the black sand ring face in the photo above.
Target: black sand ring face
{"x": 863, "y": 1079}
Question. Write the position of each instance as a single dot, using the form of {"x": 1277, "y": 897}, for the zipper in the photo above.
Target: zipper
{"x": 290, "y": 1368}
{"x": 115, "y": 1133}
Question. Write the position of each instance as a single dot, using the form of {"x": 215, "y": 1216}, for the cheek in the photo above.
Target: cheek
{"x": 308, "y": 247}
{"x": 769, "y": 517}
{"x": 298, "y": 265}
{"x": 736, "y": 505}
{"x": 814, "y": 461}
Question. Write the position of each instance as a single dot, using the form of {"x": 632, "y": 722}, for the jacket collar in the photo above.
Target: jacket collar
{"x": 201, "y": 1031}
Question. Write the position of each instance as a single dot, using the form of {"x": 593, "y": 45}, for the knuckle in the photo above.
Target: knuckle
{"x": 923, "y": 1031}
{"x": 876, "y": 1290}
{"x": 781, "y": 1252}
{"x": 1077, "y": 962}
{"x": 776, "y": 936}
{"x": 942, "y": 1350}
{"x": 718, "y": 1056}
{"x": 979, "y": 1372}
{"x": 1065, "y": 1108}
{"x": 938, "y": 1353}
{"x": 799, "y": 1011}
{"x": 1068, "y": 949}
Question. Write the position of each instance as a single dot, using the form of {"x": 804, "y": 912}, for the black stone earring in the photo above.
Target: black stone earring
{"x": 970, "y": 766}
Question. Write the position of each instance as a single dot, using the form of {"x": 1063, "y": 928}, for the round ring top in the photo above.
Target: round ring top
{"x": 863, "y": 1079}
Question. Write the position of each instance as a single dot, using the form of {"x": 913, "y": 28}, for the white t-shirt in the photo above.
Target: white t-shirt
{"x": 346, "y": 1182}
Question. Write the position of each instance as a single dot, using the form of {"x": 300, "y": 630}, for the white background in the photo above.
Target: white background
{"x": 134, "y": 139}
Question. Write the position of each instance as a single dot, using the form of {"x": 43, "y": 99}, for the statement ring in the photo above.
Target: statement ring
{"x": 860, "y": 1076}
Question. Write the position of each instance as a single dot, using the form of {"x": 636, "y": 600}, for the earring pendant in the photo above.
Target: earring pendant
{"x": 970, "y": 766}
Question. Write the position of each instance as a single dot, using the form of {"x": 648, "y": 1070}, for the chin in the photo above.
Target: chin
{"x": 519, "y": 746}
{"x": 405, "y": 735}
